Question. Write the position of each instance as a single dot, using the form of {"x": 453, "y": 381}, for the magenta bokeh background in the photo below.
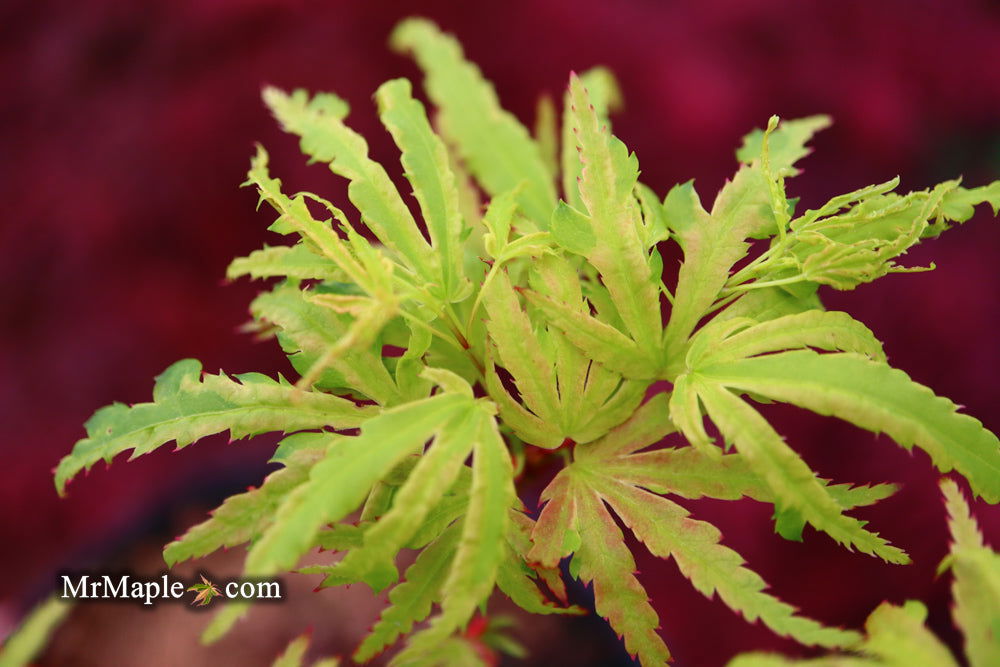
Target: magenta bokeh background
{"x": 125, "y": 129}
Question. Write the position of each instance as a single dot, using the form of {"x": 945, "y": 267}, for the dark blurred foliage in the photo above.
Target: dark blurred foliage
{"x": 125, "y": 128}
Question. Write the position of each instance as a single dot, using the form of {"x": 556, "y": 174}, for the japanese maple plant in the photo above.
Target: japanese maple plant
{"x": 523, "y": 316}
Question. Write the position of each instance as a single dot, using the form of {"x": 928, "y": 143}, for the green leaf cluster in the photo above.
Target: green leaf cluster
{"x": 515, "y": 309}
{"x": 895, "y": 635}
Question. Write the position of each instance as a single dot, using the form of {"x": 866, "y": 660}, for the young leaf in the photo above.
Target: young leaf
{"x": 425, "y": 486}
{"x": 244, "y": 517}
{"x": 605, "y": 96}
{"x": 25, "y": 642}
{"x": 308, "y": 331}
{"x": 480, "y": 550}
{"x": 877, "y": 398}
{"x": 411, "y": 600}
{"x": 187, "y": 407}
{"x": 426, "y": 162}
{"x": 793, "y": 483}
{"x": 576, "y": 520}
{"x": 297, "y": 262}
{"x": 958, "y": 205}
{"x": 603, "y": 559}
{"x": 325, "y": 138}
{"x": 606, "y": 187}
{"x": 976, "y": 588}
{"x": 787, "y": 144}
{"x": 481, "y": 547}
{"x": 340, "y": 482}
{"x": 294, "y": 216}
{"x": 667, "y": 530}
{"x": 520, "y": 351}
{"x": 712, "y": 243}
{"x": 498, "y": 150}
{"x": 823, "y": 330}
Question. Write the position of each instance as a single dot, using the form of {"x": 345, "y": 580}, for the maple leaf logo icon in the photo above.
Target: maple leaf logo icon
{"x": 207, "y": 591}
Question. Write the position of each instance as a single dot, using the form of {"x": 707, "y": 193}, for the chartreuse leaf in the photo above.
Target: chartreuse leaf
{"x": 307, "y": 331}
{"x": 187, "y": 407}
{"x": 340, "y": 537}
{"x": 686, "y": 412}
{"x": 877, "y": 398}
{"x": 688, "y": 473}
{"x": 426, "y": 162}
{"x": 408, "y": 368}
{"x": 654, "y": 224}
{"x": 770, "y": 156}
{"x": 520, "y": 351}
{"x": 667, "y": 530}
{"x": 823, "y": 330}
{"x": 958, "y": 205}
{"x": 325, "y": 138}
{"x": 711, "y": 245}
{"x": 482, "y": 545}
{"x": 525, "y": 423}
{"x": 518, "y": 581}
{"x": 855, "y": 238}
{"x": 564, "y": 395}
{"x": 713, "y": 242}
{"x": 602, "y": 342}
{"x": 411, "y": 600}
{"x": 340, "y": 482}
{"x": 606, "y": 186}
{"x": 976, "y": 588}
{"x": 644, "y": 427}
{"x": 786, "y": 144}
{"x": 29, "y": 638}
{"x": 605, "y": 96}
{"x": 860, "y": 244}
{"x": 592, "y": 398}
{"x": 481, "y": 548}
{"x": 608, "y": 471}
{"x": 294, "y": 216}
{"x": 499, "y": 245}
{"x": 295, "y": 653}
{"x": 555, "y": 276}
{"x": 296, "y": 261}
{"x": 603, "y": 559}
{"x": 793, "y": 483}
{"x": 770, "y": 303}
{"x": 244, "y": 517}
{"x": 497, "y": 149}
{"x": 425, "y": 486}
{"x": 896, "y": 637}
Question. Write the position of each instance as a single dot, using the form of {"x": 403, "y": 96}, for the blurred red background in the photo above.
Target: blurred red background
{"x": 125, "y": 129}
